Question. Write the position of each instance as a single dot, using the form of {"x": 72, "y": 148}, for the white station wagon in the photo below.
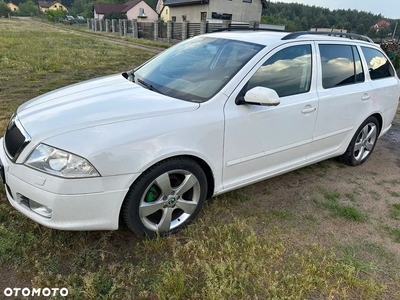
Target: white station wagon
{"x": 209, "y": 115}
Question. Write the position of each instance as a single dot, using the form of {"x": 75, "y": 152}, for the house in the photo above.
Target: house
{"x": 380, "y": 24}
{"x": 50, "y": 5}
{"x": 136, "y": 9}
{"x": 211, "y": 10}
{"x": 12, "y": 6}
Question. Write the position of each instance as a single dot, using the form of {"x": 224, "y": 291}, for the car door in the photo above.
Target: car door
{"x": 344, "y": 98}
{"x": 385, "y": 85}
{"x": 261, "y": 141}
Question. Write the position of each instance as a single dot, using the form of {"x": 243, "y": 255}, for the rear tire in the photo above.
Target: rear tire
{"x": 165, "y": 198}
{"x": 363, "y": 143}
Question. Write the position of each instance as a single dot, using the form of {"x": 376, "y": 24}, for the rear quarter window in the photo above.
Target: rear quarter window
{"x": 378, "y": 65}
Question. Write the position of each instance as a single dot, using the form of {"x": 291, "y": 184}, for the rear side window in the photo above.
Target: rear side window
{"x": 288, "y": 71}
{"x": 341, "y": 65}
{"x": 378, "y": 65}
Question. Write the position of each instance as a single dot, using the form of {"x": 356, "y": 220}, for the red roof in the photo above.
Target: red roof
{"x": 105, "y": 8}
{"x": 381, "y": 23}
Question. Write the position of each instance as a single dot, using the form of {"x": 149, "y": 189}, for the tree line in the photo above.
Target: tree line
{"x": 303, "y": 17}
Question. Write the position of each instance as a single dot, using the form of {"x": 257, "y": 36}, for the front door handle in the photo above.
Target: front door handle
{"x": 308, "y": 109}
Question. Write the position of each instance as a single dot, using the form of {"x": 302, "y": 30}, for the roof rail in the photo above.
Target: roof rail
{"x": 296, "y": 34}
{"x": 243, "y": 28}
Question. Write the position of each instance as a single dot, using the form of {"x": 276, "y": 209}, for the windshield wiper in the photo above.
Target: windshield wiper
{"x": 149, "y": 86}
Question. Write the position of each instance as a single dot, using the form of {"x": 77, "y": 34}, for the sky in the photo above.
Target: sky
{"x": 388, "y": 8}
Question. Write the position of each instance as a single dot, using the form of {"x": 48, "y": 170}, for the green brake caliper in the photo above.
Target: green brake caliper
{"x": 152, "y": 194}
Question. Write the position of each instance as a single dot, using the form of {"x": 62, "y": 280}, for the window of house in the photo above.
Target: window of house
{"x": 378, "y": 65}
{"x": 203, "y": 15}
{"x": 247, "y": 1}
{"x": 341, "y": 65}
{"x": 173, "y": 19}
{"x": 141, "y": 11}
{"x": 183, "y": 18}
{"x": 221, "y": 16}
{"x": 288, "y": 72}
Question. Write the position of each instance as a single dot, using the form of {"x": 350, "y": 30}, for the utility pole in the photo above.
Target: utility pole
{"x": 395, "y": 28}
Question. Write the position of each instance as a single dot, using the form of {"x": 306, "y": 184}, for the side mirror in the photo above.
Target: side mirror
{"x": 261, "y": 96}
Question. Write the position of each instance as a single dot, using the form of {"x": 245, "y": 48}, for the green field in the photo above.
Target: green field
{"x": 315, "y": 233}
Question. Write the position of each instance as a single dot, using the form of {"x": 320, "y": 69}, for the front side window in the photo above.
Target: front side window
{"x": 196, "y": 69}
{"x": 378, "y": 65}
{"x": 341, "y": 65}
{"x": 288, "y": 72}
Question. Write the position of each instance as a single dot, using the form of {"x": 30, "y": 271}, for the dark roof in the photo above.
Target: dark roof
{"x": 105, "y": 8}
{"x": 190, "y": 2}
{"x": 130, "y": 4}
{"x": 46, "y": 3}
{"x": 184, "y": 2}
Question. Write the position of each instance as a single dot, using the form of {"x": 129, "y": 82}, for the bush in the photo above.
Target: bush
{"x": 115, "y": 15}
{"x": 56, "y": 15}
{"x": 4, "y": 9}
{"x": 28, "y": 8}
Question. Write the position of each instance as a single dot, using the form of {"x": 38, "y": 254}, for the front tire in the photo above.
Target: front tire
{"x": 363, "y": 143}
{"x": 165, "y": 198}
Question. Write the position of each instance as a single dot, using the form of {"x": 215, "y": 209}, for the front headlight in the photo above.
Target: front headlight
{"x": 60, "y": 163}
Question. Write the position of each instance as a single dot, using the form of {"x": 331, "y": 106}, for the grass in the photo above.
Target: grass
{"x": 241, "y": 247}
{"x": 394, "y": 210}
{"x": 395, "y": 233}
{"x": 331, "y": 202}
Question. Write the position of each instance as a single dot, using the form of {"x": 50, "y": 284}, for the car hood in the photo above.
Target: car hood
{"x": 95, "y": 102}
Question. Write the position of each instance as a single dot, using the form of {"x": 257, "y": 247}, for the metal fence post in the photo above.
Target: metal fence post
{"x": 254, "y": 24}
{"x": 203, "y": 27}
{"x": 169, "y": 31}
{"x": 135, "y": 29}
{"x": 107, "y": 25}
{"x": 125, "y": 27}
{"x": 113, "y": 25}
{"x": 155, "y": 30}
{"x": 226, "y": 23}
{"x": 184, "y": 30}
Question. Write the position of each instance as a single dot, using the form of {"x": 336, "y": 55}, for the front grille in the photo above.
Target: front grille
{"x": 15, "y": 139}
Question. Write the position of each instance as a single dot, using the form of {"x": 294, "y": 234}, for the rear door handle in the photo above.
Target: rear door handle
{"x": 365, "y": 97}
{"x": 308, "y": 110}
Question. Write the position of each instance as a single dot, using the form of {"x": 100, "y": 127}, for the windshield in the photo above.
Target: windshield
{"x": 196, "y": 69}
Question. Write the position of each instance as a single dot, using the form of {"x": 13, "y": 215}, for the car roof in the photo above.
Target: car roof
{"x": 272, "y": 38}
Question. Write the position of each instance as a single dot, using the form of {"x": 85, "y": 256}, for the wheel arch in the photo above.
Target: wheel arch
{"x": 378, "y": 116}
{"x": 202, "y": 163}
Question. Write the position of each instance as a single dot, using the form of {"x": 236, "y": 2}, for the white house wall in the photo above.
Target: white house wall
{"x": 133, "y": 13}
{"x": 241, "y": 11}
{"x": 192, "y": 12}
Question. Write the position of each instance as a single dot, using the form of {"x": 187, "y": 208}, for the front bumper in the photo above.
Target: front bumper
{"x": 75, "y": 204}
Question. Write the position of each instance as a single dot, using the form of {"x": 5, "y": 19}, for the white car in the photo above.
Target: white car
{"x": 209, "y": 115}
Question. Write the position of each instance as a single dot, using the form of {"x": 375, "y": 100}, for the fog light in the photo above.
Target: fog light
{"x": 40, "y": 209}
